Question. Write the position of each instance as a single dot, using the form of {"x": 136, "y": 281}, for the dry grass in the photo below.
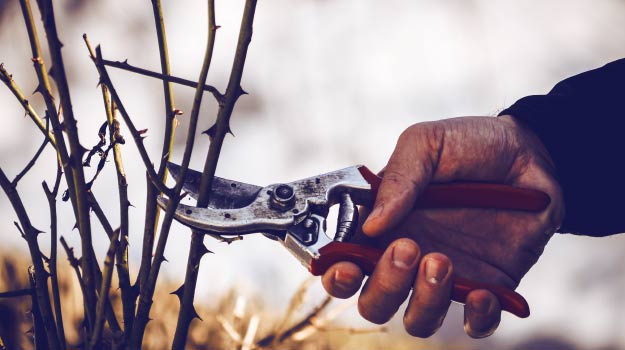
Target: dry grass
{"x": 232, "y": 322}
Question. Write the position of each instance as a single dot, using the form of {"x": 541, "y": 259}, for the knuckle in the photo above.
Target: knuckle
{"x": 399, "y": 178}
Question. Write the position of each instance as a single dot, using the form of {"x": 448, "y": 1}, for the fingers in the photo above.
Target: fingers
{"x": 391, "y": 281}
{"x": 408, "y": 171}
{"x": 431, "y": 297}
{"x": 482, "y": 314}
{"x": 342, "y": 280}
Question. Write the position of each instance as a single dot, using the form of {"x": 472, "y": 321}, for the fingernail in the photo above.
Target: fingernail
{"x": 435, "y": 271}
{"x": 377, "y": 211}
{"x": 342, "y": 280}
{"x": 404, "y": 255}
{"x": 481, "y": 306}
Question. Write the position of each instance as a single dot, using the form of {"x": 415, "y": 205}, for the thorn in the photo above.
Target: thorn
{"x": 38, "y": 89}
{"x": 195, "y": 314}
{"x": 211, "y": 132}
{"x": 204, "y": 250}
{"x": 100, "y": 82}
{"x": 36, "y": 230}
{"x": 178, "y": 112}
{"x": 83, "y": 149}
{"x": 51, "y": 72}
{"x": 75, "y": 226}
{"x": 217, "y": 27}
{"x": 242, "y": 92}
{"x": 125, "y": 61}
{"x": 165, "y": 259}
{"x": 229, "y": 131}
{"x": 179, "y": 292}
{"x": 130, "y": 204}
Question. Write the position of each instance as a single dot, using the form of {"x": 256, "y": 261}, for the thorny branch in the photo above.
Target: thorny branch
{"x": 137, "y": 135}
{"x": 147, "y": 290}
{"x": 64, "y": 138}
{"x": 32, "y": 162}
{"x": 41, "y": 275}
{"x": 77, "y": 150}
{"x": 217, "y": 135}
{"x": 105, "y": 286}
{"x": 52, "y": 263}
{"x": 165, "y": 77}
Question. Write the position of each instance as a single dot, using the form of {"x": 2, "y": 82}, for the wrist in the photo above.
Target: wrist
{"x": 527, "y": 138}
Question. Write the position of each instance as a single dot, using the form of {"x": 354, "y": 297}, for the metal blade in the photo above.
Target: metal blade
{"x": 225, "y": 194}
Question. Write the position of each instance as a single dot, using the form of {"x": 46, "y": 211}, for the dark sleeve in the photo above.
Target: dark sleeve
{"x": 581, "y": 121}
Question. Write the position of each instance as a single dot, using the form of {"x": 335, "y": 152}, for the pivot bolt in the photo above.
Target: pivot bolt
{"x": 282, "y": 198}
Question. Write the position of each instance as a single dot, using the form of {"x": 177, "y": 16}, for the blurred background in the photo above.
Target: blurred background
{"x": 331, "y": 83}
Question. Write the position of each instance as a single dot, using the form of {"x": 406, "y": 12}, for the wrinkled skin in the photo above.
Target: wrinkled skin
{"x": 424, "y": 249}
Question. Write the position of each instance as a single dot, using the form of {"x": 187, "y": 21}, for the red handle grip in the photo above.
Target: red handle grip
{"x": 367, "y": 258}
{"x": 472, "y": 195}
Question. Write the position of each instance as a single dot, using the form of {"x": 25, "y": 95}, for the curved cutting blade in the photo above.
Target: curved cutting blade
{"x": 225, "y": 194}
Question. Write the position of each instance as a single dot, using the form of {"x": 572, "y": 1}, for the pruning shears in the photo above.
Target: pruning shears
{"x": 295, "y": 213}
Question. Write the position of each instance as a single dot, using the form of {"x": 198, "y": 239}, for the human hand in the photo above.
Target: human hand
{"x": 425, "y": 249}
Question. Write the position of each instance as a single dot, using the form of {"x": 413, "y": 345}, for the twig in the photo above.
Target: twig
{"x": 41, "y": 275}
{"x": 165, "y": 77}
{"x": 296, "y": 303}
{"x": 39, "y": 329}
{"x": 74, "y": 263}
{"x": 105, "y": 286}
{"x": 217, "y": 135}
{"x": 152, "y": 210}
{"x": 18, "y": 293}
{"x": 275, "y": 339}
{"x": 252, "y": 327}
{"x": 52, "y": 263}
{"x": 75, "y": 158}
{"x": 229, "y": 329}
{"x": 30, "y": 164}
{"x": 129, "y": 295}
{"x": 147, "y": 289}
{"x": 7, "y": 79}
{"x": 136, "y": 134}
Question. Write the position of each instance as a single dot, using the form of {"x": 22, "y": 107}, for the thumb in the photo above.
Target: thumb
{"x": 407, "y": 173}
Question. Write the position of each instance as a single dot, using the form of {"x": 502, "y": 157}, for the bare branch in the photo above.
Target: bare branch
{"x": 233, "y": 92}
{"x": 147, "y": 289}
{"x": 52, "y": 263}
{"x": 169, "y": 78}
{"x": 136, "y": 134}
{"x": 105, "y": 286}
{"x": 75, "y": 168}
{"x": 17, "y": 293}
{"x": 7, "y": 79}
{"x": 31, "y": 163}
{"x": 41, "y": 275}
